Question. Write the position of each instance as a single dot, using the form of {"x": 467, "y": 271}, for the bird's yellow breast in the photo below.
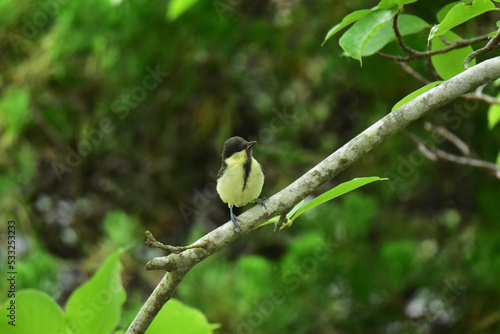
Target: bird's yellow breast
{"x": 230, "y": 184}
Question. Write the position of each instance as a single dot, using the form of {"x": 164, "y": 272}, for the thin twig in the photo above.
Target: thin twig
{"x": 480, "y": 96}
{"x": 493, "y": 168}
{"x": 452, "y": 138}
{"x": 399, "y": 38}
{"x": 423, "y": 54}
{"x": 427, "y": 152}
{"x": 434, "y": 154}
{"x": 493, "y": 44}
{"x": 278, "y": 225}
{"x": 153, "y": 243}
{"x": 407, "y": 68}
{"x": 420, "y": 145}
{"x": 445, "y": 40}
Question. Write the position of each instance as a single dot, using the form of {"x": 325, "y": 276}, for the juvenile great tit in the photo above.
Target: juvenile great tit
{"x": 241, "y": 177}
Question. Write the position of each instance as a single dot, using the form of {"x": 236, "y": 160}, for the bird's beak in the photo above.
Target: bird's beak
{"x": 250, "y": 144}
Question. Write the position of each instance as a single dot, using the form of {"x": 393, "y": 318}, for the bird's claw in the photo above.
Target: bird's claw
{"x": 234, "y": 219}
{"x": 261, "y": 201}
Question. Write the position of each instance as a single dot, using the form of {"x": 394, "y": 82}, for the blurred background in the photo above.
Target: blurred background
{"x": 113, "y": 114}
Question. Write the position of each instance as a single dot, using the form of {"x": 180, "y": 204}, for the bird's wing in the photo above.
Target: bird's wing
{"x": 221, "y": 170}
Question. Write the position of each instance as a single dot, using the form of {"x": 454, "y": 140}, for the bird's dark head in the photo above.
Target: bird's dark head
{"x": 237, "y": 144}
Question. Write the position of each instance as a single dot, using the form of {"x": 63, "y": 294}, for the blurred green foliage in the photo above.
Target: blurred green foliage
{"x": 35, "y": 313}
{"x": 113, "y": 115}
{"x": 180, "y": 319}
{"x": 95, "y": 307}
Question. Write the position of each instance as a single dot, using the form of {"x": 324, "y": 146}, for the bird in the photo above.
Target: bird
{"x": 241, "y": 177}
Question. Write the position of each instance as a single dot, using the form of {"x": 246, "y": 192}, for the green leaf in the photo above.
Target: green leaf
{"x": 498, "y": 159}
{"x": 35, "y": 313}
{"x": 94, "y": 308}
{"x": 416, "y": 93}
{"x": 289, "y": 215}
{"x": 441, "y": 14}
{"x": 494, "y": 114}
{"x": 177, "y": 7}
{"x": 339, "y": 190}
{"x": 357, "y": 37}
{"x": 494, "y": 33}
{"x": 407, "y": 24}
{"x": 461, "y": 13}
{"x": 351, "y": 18}
{"x": 391, "y": 3}
{"x": 449, "y": 64}
{"x": 177, "y": 318}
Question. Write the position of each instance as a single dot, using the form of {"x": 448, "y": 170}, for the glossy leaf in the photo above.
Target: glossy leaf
{"x": 441, "y": 14}
{"x": 95, "y": 307}
{"x": 416, "y": 93}
{"x": 349, "y": 19}
{"x": 459, "y": 14}
{"x": 357, "y": 37}
{"x": 407, "y": 25}
{"x": 391, "y": 3}
{"x": 494, "y": 33}
{"x": 494, "y": 114}
{"x": 359, "y": 14}
{"x": 339, "y": 190}
{"x": 449, "y": 64}
{"x": 35, "y": 313}
{"x": 177, "y": 318}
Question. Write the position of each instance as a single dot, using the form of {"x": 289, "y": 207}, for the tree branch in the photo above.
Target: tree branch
{"x": 153, "y": 243}
{"x": 422, "y": 54}
{"x": 493, "y": 44}
{"x": 286, "y": 199}
{"x": 434, "y": 154}
{"x": 480, "y": 96}
{"x": 399, "y": 38}
{"x": 407, "y": 68}
{"x": 451, "y": 137}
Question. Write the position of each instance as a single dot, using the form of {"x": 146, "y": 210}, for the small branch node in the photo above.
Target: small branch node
{"x": 166, "y": 263}
{"x": 153, "y": 243}
{"x": 279, "y": 224}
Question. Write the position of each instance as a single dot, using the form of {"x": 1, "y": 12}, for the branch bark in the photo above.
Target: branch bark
{"x": 179, "y": 264}
{"x": 413, "y": 54}
{"x": 434, "y": 154}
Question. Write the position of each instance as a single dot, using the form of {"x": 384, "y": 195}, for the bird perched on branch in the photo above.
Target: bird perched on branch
{"x": 241, "y": 177}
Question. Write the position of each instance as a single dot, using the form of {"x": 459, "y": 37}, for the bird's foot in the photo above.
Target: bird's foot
{"x": 261, "y": 201}
{"x": 234, "y": 219}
